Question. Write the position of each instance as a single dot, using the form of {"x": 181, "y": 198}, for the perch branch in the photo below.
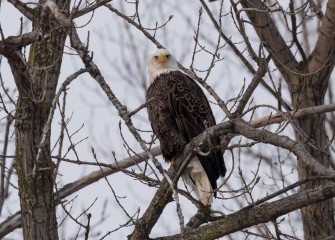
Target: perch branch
{"x": 260, "y": 214}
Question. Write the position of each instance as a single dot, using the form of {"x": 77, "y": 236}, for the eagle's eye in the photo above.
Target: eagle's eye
{"x": 167, "y": 55}
{"x": 156, "y": 57}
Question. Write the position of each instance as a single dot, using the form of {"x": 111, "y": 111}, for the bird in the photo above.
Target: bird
{"x": 178, "y": 111}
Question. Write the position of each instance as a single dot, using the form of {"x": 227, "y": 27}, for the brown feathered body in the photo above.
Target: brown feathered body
{"x": 178, "y": 112}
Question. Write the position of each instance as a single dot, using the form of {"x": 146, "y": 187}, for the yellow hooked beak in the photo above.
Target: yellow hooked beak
{"x": 162, "y": 58}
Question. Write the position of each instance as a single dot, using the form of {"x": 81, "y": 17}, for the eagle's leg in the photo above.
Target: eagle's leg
{"x": 173, "y": 160}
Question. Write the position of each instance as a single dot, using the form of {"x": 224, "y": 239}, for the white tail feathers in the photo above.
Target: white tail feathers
{"x": 195, "y": 176}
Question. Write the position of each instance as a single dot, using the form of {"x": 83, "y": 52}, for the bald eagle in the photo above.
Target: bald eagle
{"x": 178, "y": 112}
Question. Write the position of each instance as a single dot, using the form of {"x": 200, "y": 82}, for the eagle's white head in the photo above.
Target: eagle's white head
{"x": 161, "y": 62}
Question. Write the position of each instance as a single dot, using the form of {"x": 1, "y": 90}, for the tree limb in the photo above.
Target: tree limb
{"x": 280, "y": 117}
{"x": 13, "y": 43}
{"x": 260, "y": 214}
{"x": 298, "y": 148}
{"x": 90, "y": 8}
{"x": 251, "y": 87}
{"x": 268, "y": 34}
{"x": 23, "y": 8}
{"x": 324, "y": 51}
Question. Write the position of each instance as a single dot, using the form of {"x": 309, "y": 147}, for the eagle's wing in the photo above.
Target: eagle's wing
{"x": 189, "y": 105}
{"x": 191, "y": 110}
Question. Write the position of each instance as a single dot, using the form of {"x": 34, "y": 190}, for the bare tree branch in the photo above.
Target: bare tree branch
{"x": 252, "y": 86}
{"x": 270, "y": 36}
{"x": 81, "y": 12}
{"x": 11, "y": 44}
{"x": 323, "y": 54}
{"x": 280, "y": 117}
{"x": 285, "y": 142}
{"x": 23, "y": 8}
{"x": 260, "y": 214}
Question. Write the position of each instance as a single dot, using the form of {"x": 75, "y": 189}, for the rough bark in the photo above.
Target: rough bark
{"x": 36, "y": 81}
{"x": 307, "y": 83}
{"x": 309, "y": 90}
{"x": 318, "y": 219}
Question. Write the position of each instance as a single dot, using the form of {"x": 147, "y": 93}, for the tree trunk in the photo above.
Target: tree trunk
{"x": 318, "y": 219}
{"x": 309, "y": 90}
{"x": 308, "y": 82}
{"x": 36, "y": 81}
